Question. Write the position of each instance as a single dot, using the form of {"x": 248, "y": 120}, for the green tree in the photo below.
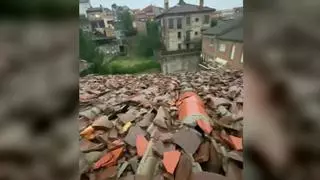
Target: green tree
{"x": 153, "y": 33}
{"x": 127, "y": 22}
{"x": 88, "y": 52}
{"x": 214, "y": 22}
{"x": 150, "y": 42}
{"x": 114, "y": 6}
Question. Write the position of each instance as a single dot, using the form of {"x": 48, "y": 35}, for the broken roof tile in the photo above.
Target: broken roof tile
{"x": 159, "y": 148}
{"x": 127, "y": 117}
{"x": 109, "y": 159}
{"x": 131, "y": 94}
{"x": 187, "y": 139}
{"x": 147, "y": 120}
{"x": 234, "y": 171}
{"x": 103, "y": 123}
{"x": 162, "y": 118}
{"x": 125, "y": 128}
{"x": 122, "y": 168}
{"x": 88, "y": 146}
{"x": 109, "y": 173}
{"x": 207, "y": 176}
{"x": 88, "y": 133}
{"x": 113, "y": 133}
{"x": 134, "y": 163}
{"x": 235, "y": 155}
{"x": 141, "y": 144}
{"x": 237, "y": 142}
{"x": 170, "y": 160}
{"x": 203, "y": 153}
{"x": 132, "y": 134}
{"x": 184, "y": 168}
{"x": 205, "y": 126}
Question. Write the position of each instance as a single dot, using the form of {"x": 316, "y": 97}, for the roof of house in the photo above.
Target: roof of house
{"x": 84, "y": 1}
{"x": 223, "y": 26}
{"x": 96, "y": 9}
{"x": 150, "y": 8}
{"x": 235, "y": 34}
{"x": 107, "y": 9}
{"x": 183, "y": 7}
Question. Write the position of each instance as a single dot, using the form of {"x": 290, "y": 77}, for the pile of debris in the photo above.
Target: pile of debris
{"x": 131, "y": 127}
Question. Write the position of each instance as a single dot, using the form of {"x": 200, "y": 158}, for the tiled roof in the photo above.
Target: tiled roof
{"x": 223, "y": 27}
{"x": 96, "y": 9}
{"x": 84, "y": 1}
{"x": 235, "y": 34}
{"x": 185, "y": 8}
{"x": 125, "y": 118}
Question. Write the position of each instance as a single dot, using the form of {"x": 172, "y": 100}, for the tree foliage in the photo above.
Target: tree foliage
{"x": 150, "y": 42}
{"x": 88, "y": 52}
{"x": 214, "y": 22}
{"x": 126, "y": 20}
{"x": 114, "y": 6}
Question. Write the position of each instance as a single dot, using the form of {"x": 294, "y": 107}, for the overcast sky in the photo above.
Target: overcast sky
{"x": 134, "y": 4}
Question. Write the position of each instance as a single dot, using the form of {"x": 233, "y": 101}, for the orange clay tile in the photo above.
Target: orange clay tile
{"x": 237, "y": 142}
{"x": 190, "y": 104}
{"x": 141, "y": 144}
{"x": 205, "y": 126}
{"x": 170, "y": 160}
{"x": 109, "y": 159}
{"x": 88, "y": 133}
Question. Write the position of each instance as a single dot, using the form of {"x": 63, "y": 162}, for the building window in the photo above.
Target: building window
{"x": 188, "y": 20}
{"x": 171, "y": 23}
{"x": 232, "y": 52}
{"x": 179, "y": 35}
{"x": 179, "y": 23}
{"x": 179, "y": 46}
{"x": 241, "y": 58}
{"x": 206, "y": 19}
{"x": 187, "y": 45}
{"x": 222, "y": 47}
{"x": 196, "y": 33}
{"x": 197, "y": 19}
{"x": 188, "y": 37}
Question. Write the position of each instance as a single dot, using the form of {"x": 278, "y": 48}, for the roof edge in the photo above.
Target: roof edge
{"x": 195, "y": 12}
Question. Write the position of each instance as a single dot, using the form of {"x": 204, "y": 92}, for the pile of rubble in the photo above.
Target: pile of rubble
{"x": 131, "y": 128}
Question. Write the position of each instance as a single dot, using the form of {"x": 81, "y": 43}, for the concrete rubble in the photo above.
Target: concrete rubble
{"x": 130, "y": 127}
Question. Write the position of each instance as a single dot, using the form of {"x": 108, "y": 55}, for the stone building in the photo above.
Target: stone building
{"x": 222, "y": 45}
{"x": 182, "y": 25}
{"x": 227, "y": 14}
{"x": 102, "y": 21}
{"x": 181, "y": 31}
{"x": 148, "y": 13}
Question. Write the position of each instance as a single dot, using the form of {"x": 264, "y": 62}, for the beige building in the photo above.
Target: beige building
{"x": 222, "y": 45}
{"x": 102, "y": 21}
{"x": 183, "y": 24}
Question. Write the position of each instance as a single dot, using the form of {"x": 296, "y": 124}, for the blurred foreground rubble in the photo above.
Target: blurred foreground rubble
{"x": 137, "y": 127}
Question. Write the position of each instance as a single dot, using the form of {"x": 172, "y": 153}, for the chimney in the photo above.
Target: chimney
{"x": 201, "y": 4}
{"x": 166, "y": 4}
